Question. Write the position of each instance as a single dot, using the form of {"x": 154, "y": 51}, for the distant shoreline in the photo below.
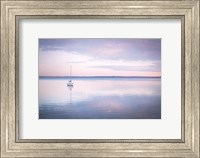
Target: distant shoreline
{"x": 99, "y": 77}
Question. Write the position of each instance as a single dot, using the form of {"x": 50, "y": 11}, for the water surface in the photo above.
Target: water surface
{"x": 100, "y": 98}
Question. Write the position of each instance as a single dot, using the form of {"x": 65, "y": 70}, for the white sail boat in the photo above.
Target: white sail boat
{"x": 70, "y": 83}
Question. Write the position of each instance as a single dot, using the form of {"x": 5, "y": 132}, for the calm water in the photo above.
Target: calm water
{"x": 97, "y": 98}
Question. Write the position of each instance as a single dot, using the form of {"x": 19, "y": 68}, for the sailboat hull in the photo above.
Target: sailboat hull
{"x": 70, "y": 84}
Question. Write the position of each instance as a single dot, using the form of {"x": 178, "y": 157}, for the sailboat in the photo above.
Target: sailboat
{"x": 70, "y": 83}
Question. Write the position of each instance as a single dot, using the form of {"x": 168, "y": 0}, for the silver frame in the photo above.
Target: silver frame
{"x": 13, "y": 11}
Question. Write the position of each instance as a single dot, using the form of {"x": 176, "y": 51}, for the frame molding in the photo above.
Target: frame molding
{"x": 14, "y": 10}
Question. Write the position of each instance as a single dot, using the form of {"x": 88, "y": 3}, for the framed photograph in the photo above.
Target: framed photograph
{"x": 100, "y": 78}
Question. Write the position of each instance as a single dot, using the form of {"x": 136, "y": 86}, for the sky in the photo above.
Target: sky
{"x": 100, "y": 57}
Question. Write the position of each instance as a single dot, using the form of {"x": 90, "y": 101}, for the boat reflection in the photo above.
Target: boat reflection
{"x": 70, "y": 93}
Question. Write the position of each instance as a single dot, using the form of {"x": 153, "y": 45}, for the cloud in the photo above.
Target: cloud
{"x": 106, "y": 48}
{"x": 51, "y": 48}
{"x": 76, "y": 62}
{"x": 128, "y": 68}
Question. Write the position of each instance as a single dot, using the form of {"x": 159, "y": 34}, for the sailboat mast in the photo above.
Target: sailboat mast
{"x": 70, "y": 83}
{"x": 70, "y": 70}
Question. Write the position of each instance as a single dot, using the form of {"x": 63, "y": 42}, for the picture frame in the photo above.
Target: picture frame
{"x": 13, "y": 11}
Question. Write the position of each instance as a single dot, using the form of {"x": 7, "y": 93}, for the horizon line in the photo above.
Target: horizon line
{"x": 103, "y": 76}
